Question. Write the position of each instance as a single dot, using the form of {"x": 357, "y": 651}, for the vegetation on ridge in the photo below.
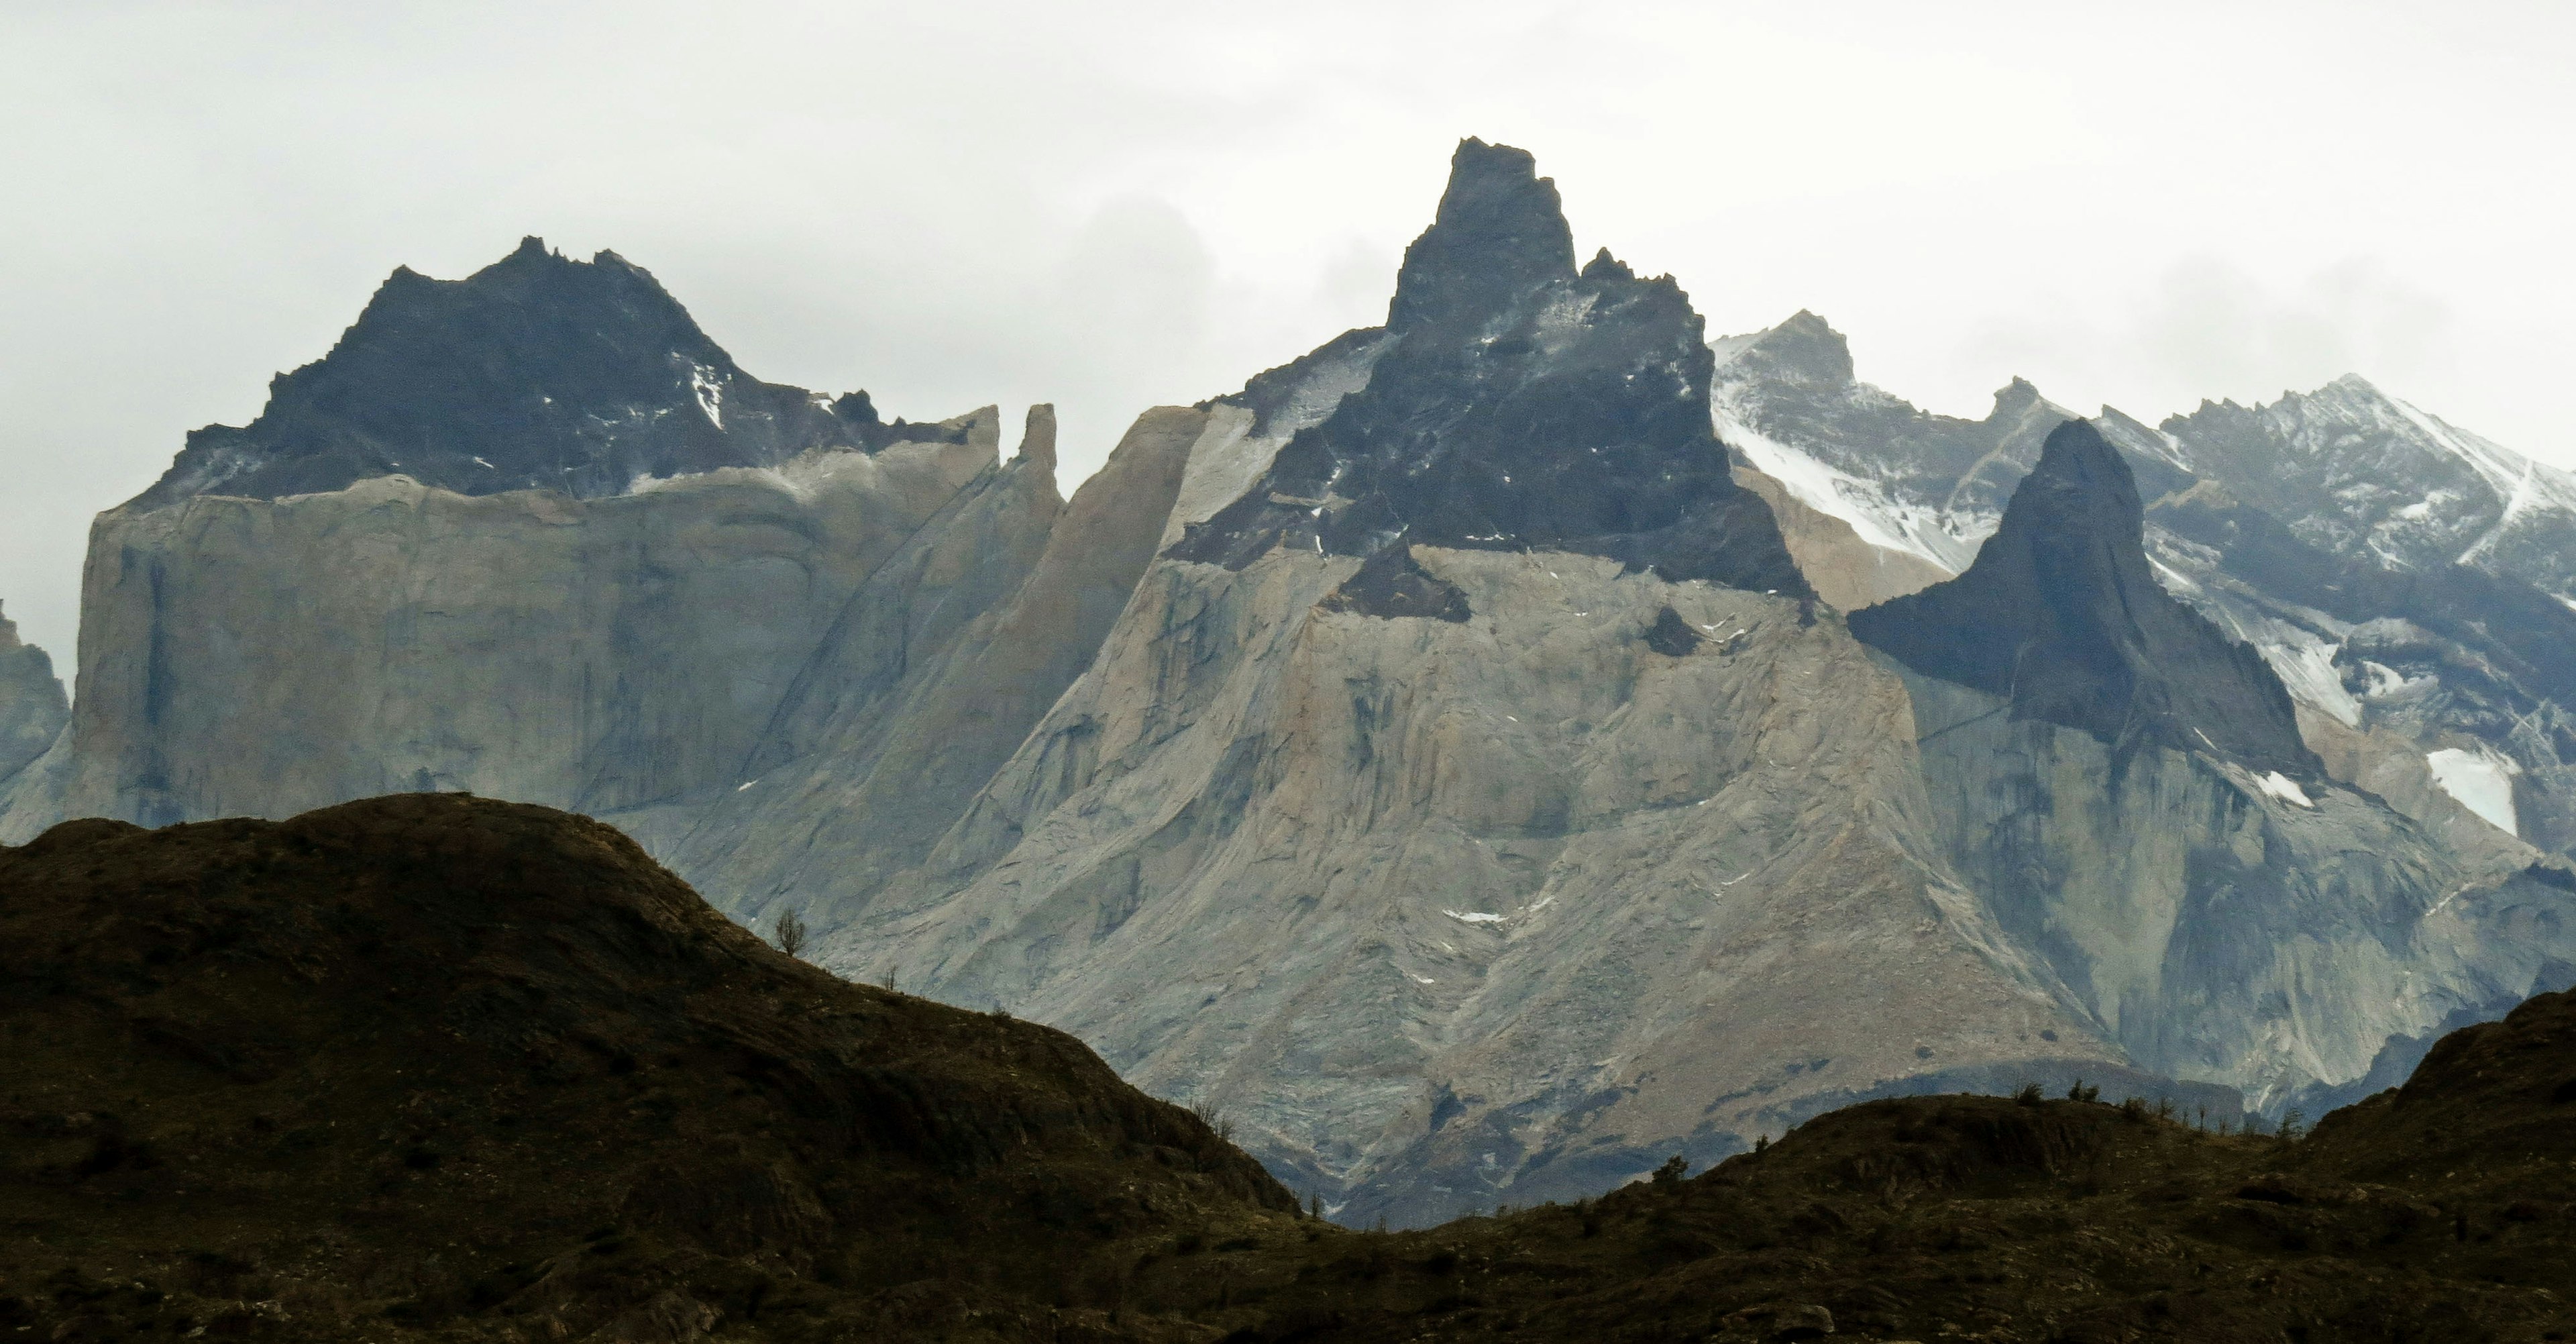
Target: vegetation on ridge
{"x": 429, "y": 1067}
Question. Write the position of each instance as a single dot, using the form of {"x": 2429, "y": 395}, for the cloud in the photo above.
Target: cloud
{"x": 2206, "y": 327}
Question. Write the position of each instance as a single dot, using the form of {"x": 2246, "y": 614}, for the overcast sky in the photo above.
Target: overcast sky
{"x": 1110, "y": 205}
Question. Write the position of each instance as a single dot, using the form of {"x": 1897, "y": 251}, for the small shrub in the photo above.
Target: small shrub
{"x": 1672, "y": 1171}
{"x": 2079, "y": 1092}
{"x": 2294, "y": 1124}
{"x": 2029, "y": 1094}
{"x": 1761, "y": 1142}
{"x": 790, "y": 933}
{"x": 1209, "y": 1116}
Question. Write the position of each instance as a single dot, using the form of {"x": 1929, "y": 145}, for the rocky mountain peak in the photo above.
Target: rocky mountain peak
{"x": 2062, "y": 615}
{"x": 1521, "y": 405}
{"x": 1500, "y": 233}
{"x": 538, "y": 371}
{"x": 1804, "y": 351}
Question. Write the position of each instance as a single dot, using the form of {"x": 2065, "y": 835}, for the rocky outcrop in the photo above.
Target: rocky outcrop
{"x": 1588, "y": 431}
{"x": 535, "y": 373}
{"x": 2061, "y": 618}
{"x": 33, "y": 708}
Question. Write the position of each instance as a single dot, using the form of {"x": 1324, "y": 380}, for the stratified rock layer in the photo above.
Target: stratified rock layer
{"x": 266, "y": 656}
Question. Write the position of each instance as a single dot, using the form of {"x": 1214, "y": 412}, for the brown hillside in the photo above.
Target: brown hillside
{"x": 486, "y": 1071}
{"x": 429, "y": 1067}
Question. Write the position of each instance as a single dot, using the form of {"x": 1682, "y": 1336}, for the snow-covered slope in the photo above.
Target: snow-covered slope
{"x": 2362, "y": 474}
{"x": 2319, "y": 529}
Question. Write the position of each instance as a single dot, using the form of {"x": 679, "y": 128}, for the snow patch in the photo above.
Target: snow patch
{"x": 710, "y": 393}
{"x": 2286, "y": 789}
{"x": 2481, "y": 780}
{"x": 2306, "y": 668}
{"x": 1473, "y": 916}
{"x": 1866, "y": 505}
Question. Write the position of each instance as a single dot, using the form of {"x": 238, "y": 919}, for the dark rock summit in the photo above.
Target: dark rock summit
{"x": 2062, "y": 616}
{"x": 537, "y": 371}
{"x": 1519, "y": 404}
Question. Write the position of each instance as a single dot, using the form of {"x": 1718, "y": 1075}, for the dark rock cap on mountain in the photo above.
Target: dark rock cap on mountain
{"x": 2062, "y": 616}
{"x": 538, "y": 371}
{"x": 1520, "y": 404}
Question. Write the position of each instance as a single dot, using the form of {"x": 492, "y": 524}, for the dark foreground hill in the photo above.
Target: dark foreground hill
{"x": 477, "y": 1070}
{"x": 429, "y": 1067}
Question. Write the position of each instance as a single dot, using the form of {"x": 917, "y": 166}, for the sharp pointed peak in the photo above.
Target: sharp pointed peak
{"x": 1500, "y": 232}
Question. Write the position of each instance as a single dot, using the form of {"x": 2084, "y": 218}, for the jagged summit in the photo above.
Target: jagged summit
{"x": 1500, "y": 233}
{"x": 2061, "y": 615}
{"x": 2367, "y": 476}
{"x": 1518, "y": 404}
{"x": 538, "y": 371}
{"x": 1804, "y": 351}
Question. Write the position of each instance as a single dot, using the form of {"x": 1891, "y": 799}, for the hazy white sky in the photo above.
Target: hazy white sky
{"x": 1115, "y": 204}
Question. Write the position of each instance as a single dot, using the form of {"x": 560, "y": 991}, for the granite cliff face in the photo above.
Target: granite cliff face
{"x": 528, "y": 534}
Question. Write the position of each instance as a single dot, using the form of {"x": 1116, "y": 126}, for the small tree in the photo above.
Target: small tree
{"x": 791, "y": 933}
{"x": 1671, "y": 1172}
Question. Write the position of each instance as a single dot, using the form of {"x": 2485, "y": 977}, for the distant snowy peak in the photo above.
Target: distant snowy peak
{"x": 1930, "y": 486}
{"x": 2362, "y": 474}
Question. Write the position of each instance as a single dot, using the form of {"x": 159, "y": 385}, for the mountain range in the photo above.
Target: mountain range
{"x": 1478, "y": 759}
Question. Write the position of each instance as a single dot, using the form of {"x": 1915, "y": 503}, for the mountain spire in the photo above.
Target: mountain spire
{"x": 1500, "y": 232}
{"x": 2062, "y": 616}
